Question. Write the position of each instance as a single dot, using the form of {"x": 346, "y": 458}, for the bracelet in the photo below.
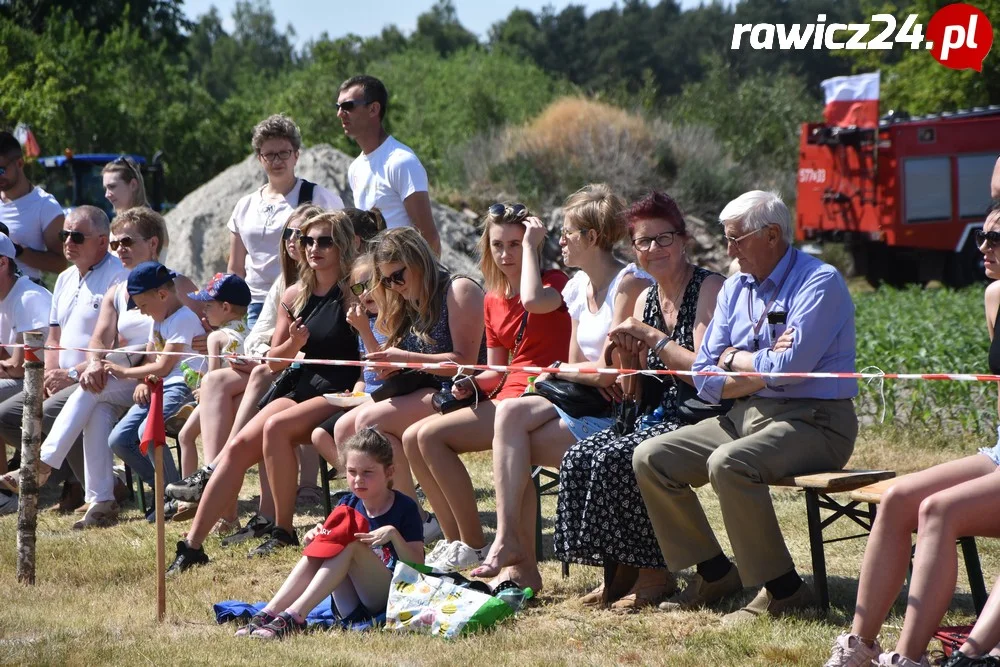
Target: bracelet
{"x": 662, "y": 343}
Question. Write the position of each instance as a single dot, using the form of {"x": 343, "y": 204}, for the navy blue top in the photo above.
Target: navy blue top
{"x": 403, "y": 514}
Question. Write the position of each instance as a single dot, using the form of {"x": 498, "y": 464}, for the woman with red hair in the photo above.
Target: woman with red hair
{"x": 601, "y": 518}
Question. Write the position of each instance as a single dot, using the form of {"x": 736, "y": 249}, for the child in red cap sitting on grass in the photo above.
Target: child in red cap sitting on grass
{"x": 352, "y": 555}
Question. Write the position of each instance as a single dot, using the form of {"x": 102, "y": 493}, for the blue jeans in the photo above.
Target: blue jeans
{"x": 127, "y": 434}
{"x": 253, "y": 312}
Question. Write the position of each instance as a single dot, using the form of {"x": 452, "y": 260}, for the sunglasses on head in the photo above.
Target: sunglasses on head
{"x": 517, "y": 211}
{"x": 127, "y": 163}
{"x": 123, "y": 242}
{"x": 75, "y": 237}
{"x": 991, "y": 239}
{"x": 351, "y": 105}
{"x": 357, "y": 289}
{"x": 394, "y": 278}
{"x": 289, "y": 234}
{"x": 323, "y": 242}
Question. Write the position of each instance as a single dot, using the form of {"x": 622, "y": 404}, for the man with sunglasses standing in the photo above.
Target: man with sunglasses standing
{"x": 259, "y": 217}
{"x": 76, "y": 304}
{"x": 784, "y": 312}
{"x": 387, "y": 175}
{"x": 33, "y": 217}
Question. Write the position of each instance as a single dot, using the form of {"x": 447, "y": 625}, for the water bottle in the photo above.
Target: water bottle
{"x": 515, "y": 597}
{"x": 531, "y": 384}
{"x": 652, "y": 418}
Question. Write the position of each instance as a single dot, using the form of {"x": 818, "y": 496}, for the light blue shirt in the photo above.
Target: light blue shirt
{"x": 817, "y": 304}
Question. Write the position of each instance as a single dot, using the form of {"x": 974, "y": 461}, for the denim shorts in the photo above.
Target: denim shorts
{"x": 584, "y": 427}
{"x": 992, "y": 452}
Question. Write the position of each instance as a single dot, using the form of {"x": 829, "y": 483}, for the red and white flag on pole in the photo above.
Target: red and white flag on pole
{"x": 26, "y": 138}
{"x": 155, "y": 433}
{"x": 852, "y": 100}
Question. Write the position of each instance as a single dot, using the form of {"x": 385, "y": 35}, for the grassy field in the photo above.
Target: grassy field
{"x": 95, "y": 600}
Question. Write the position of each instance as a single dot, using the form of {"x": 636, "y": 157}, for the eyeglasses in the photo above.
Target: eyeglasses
{"x": 566, "y": 233}
{"x": 280, "y": 155}
{"x": 517, "y": 211}
{"x": 394, "y": 278}
{"x": 322, "y": 242}
{"x": 991, "y": 239}
{"x": 123, "y": 242}
{"x": 75, "y": 237}
{"x": 645, "y": 243}
{"x": 736, "y": 240}
{"x": 357, "y": 289}
{"x": 290, "y": 234}
{"x": 348, "y": 106}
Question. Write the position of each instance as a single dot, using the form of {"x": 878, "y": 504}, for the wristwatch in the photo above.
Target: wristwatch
{"x": 727, "y": 363}
{"x": 73, "y": 374}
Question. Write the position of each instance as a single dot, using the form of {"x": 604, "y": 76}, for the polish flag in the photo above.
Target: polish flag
{"x": 852, "y": 100}
{"x": 26, "y": 138}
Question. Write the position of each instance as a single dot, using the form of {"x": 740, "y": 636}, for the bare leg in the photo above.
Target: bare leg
{"x": 440, "y": 440}
{"x": 282, "y": 433}
{"x": 964, "y": 509}
{"x": 325, "y": 446}
{"x": 527, "y": 430}
{"x": 308, "y": 466}
{"x": 259, "y": 381}
{"x": 887, "y": 555}
{"x": 295, "y": 585}
{"x": 986, "y": 633}
{"x": 188, "y": 440}
{"x": 220, "y": 394}
{"x": 356, "y": 563}
{"x": 223, "y": 487}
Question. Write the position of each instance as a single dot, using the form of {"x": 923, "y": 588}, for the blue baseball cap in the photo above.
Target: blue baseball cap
{"x": 225, "y": 287}
{"x": 147, "y": 276}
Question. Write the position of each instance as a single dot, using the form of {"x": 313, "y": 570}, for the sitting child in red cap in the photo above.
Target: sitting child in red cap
{"x": 352, "y": 555}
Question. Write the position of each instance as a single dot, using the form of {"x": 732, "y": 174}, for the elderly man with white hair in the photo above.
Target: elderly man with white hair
{"x": 783, "y": 312}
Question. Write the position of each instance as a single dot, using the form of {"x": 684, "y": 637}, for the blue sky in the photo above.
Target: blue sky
{"x": 311, "y": 18}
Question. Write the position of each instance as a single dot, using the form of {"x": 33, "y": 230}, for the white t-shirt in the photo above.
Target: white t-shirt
{"x": 592, "y": 328}
{"x": 181, "y": 328}
{"x": 258, "y": 341}
{"x": 259, "y": 224}
{"x": 27, "y": 218}
{"x": 133, "y": 326}
{"x": 76, "y": 305}
{"x": 26, "y": 308}
{"x": 384, "y": 178}
{"x": 236, "y": 332}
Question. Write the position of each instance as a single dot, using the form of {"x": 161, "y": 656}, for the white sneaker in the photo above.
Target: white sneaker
{"x": 436, "y": 553}
{"x": 896, "y": 660}
{"x": 850, "y": 651}
{"x": 460, "y": 556}
{"x": 432, "y": 529}
{"x": 8, "y": 503}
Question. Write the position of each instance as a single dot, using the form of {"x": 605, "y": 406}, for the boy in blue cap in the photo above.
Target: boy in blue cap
{"x": 151, "y": 289}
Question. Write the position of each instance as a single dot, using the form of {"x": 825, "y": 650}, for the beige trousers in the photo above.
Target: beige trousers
{"x": 759, "y": 441}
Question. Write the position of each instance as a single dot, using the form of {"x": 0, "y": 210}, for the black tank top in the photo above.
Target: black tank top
{"x": 994, "y": 357}
{"x": 330, "y": 337}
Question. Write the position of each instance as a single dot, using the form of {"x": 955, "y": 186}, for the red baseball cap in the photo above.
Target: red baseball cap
{"x": 337, "y": 532}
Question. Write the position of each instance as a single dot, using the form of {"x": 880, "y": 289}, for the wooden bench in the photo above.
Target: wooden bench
{"x": 871, "y": 495}
{"x": 818, "y": 488}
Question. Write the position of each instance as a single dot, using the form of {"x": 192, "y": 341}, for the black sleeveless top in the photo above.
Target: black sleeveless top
{"x": 330, "y": 337}
{"x": 994, "y": 357}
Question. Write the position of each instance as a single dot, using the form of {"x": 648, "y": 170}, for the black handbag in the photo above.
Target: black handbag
{"x": 693, "y": 409}
{"x": 405, "y": 382}
{"x": 284, "y": 383}
{"x": 575, "y": 399}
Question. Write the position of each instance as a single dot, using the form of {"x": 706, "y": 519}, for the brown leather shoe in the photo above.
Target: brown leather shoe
{"x": 641, "y": 597}
{"x": 800, "y": 600}
{"x": 699, "y": 593}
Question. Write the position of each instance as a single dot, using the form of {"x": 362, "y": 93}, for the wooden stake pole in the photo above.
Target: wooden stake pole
{"x": 161, "y": 575}
{"x": 31, "y": 444}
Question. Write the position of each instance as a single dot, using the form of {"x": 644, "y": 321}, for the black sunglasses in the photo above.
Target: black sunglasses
{"x": 517, "y": 211}
{"x": 351, "y": 105}
{"x": 394, "y": 278}
{"x": 324, "y": 242}
{"x": 991, "y": 239}
{"x": 75, "y": 237}
{"x": 123, "y": 242}
{"x": 289, "y": 233}
{"x": 129, "y": 164}
{"x": 357, "y": 289}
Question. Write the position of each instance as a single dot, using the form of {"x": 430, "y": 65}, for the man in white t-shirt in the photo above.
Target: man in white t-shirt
{"x": 76, "y": 304}
{"x": 258, "y": 218}
{"x": 387, "y": 174}
{"x": 32, "y": 216}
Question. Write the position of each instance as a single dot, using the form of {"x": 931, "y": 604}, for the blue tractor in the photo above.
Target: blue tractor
{"x": 75, "y": 180}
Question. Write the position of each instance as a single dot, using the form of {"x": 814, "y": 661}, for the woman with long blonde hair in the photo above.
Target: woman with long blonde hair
{"x": 428, "y": 315}
{"x": 123, "y": 184}
{"x": 312, "y": 324}
{"x": 527, "y": 323}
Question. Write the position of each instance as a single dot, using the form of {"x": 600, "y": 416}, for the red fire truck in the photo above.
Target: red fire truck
{"x": 906, "y": 198}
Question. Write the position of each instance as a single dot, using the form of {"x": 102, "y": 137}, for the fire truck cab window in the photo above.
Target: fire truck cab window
{"x": 974, "y": 174}
{"x": 927, "y": 189}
